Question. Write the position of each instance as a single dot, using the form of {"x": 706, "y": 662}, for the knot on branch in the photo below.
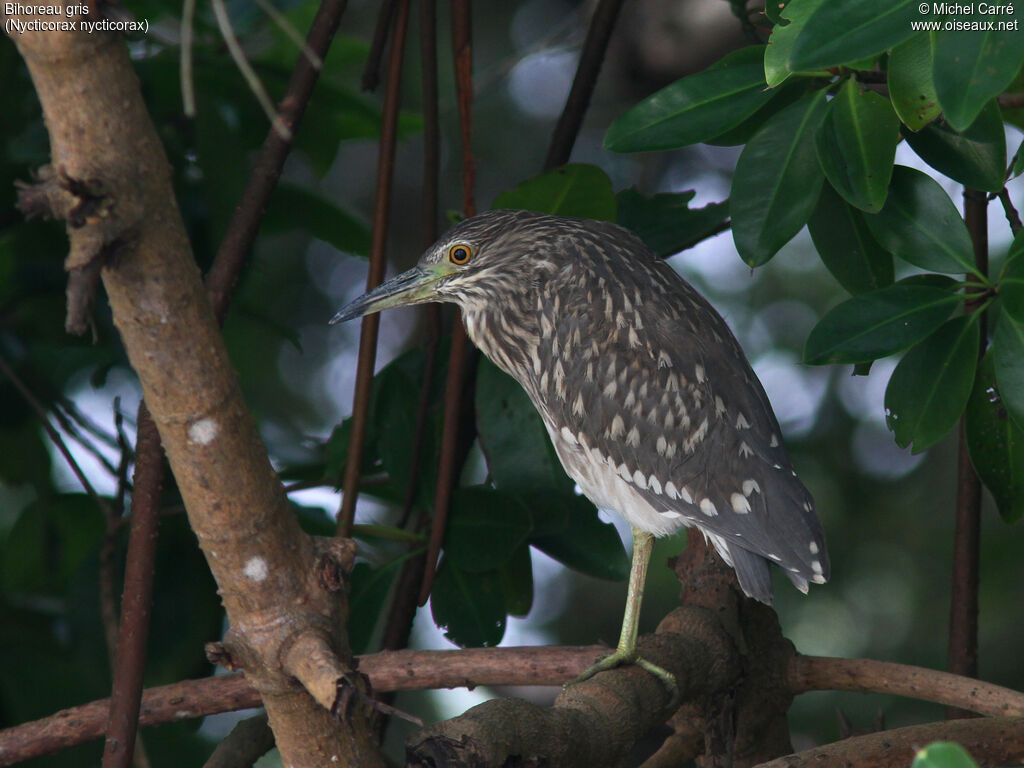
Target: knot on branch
{"x": 334, "y": 562}
{"x": 99, "y": 227}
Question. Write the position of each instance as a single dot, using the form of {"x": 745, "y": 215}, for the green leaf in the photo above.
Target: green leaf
{"x": 943, "y": 754}
{"x": 48, "y": 543}
{"x": 695, "y": 108}
{"x": 517, "y": 582}
{"x": 744, "y": 132}
{"x": 519, "y": 454}
{"x": 1008, "y": 351}
{"x": 856, "y": 146}
{"x": 368, "y": 597}
{"x": 394, "y": 406}
{"x": 586, "y": 544}
{"x": 975, "y": 157}
{"x": 911, "y": 87}
{"x": 666, "y": 223}
{"x": 930, "y": 387}
{"x": 995, "y": 443}
{"x": 293, "y": 208}
{"x": 1011, "y": 281}
{"x": 846, "y": 245}
{"x": 485, "y": 528}
{"x": 973, "y": 66}
{"x": 782, "y": 38}
{"x": 920, "y": 224}
{"x": 1018, "y": 162}
{"x": 842, "y": 31}
{"x": 468, "y": 607}
{"x": 777, "y": 181}
{"x": 576, "y": 189}
{"x": 880, "y": 323}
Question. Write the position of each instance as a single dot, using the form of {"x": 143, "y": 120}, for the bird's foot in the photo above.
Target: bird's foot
{"x": 621, "y": 657}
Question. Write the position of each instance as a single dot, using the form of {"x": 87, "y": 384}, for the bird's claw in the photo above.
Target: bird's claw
{"x": 619, "y": 658}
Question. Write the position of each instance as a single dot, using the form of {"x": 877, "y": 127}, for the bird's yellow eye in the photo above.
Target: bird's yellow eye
{"x": 460, "y": 254}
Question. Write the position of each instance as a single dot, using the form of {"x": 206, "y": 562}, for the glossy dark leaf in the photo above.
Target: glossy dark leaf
{"x": 469, "y": 607}
{"x": 971, "y": 67}
{"x": 519, "y": 454}
{"x": 996, "y": 443}
{"x": 696, "y": 108}
{"x": 576, "y": 189}
{"x": 846, "y": 245}
{"x": 665, "y": 222}
{"x": 294, "y": 208}
{"x": 880, "y": 323}
{"x": 976, "y": 157}
{"x": 394, "y": 406}
{"x": 911, "y": 87}
{"x": 784, "y": 35}
{"x": 517, "y": 582}
{"x": 920, "y": 224}
{"x": 777, "y": 181}
{"x": 856, "y": 145}
{"x": 485, "y": 527}
{"x": 49, "y": 542}
{"x": 1018, "y": 162}
{"x": 744, "y": 132}
{"x": 930, "y": 387}
{"x": 369, "y": 588}
{"x": 1011, "y": 281}
{"x": 1008, "y": 356}
{"x": 840, "y": 31}
{"x": 587, "y": 544}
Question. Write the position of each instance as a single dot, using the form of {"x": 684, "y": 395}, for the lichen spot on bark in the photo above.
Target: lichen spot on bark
{"x": 256, "y": 569}
{"x": 203, "y": 431}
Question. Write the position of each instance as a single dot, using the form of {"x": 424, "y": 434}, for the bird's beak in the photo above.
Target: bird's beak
{"x": 414, "y": 286}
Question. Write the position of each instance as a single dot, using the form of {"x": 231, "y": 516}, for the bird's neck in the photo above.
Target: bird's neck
{"x": 507, "y": 335}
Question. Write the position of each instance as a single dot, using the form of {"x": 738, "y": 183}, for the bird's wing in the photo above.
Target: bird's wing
{"x": 654, "y": 381}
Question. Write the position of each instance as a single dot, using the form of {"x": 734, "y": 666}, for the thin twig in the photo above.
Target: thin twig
{"x": 378, "y": 263}
{"x": 54, "y": 436}
{"x": 371, "y": 72}
{"x": 592, "y": 56}
{"x": 1012, "y": 216}
{"x": 244, "y": 225}
{"x": 138, "y": 596}
{"x": 450, "y": 462}
{"x": 227, "y": 32}
{"x": 291, "y": 33}
{"x": 188, "y": 85}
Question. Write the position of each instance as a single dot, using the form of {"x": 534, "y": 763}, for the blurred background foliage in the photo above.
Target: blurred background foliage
{"x": 888, "y": 513}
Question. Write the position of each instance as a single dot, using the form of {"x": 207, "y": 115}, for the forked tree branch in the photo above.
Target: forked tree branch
{"x": 118, "y": 201}
{"x": 432, "y": 670}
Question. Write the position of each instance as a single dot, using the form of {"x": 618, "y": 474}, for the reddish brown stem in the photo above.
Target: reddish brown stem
{"x": 138, "y": 596}
{"x": 591, "y": 58}
{"x": 963, "y": 619}
{"x": 378, "y": 264}
{"x": 244, "y": 225}
{"x": 449, "y": 465}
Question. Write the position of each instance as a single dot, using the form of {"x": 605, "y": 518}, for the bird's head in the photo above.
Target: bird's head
{"x": 477, "y": 261}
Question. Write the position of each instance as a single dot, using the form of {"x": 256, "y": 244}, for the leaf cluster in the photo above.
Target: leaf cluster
{"x": 820, "y": 110}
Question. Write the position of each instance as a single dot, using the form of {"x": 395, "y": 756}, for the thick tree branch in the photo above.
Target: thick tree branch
{"x": 430, "y": 670}
{"x": 992, "y": 741}
{"x": 126, "y": 222}
{"x": 816, "y": 673}
{"x": 597, "y": 721}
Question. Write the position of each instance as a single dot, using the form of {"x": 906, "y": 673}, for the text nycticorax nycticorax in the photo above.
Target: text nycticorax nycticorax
{"x": 646, "y": 394}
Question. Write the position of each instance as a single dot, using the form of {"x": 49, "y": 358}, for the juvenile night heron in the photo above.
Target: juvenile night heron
{"x": 648, "y": 398}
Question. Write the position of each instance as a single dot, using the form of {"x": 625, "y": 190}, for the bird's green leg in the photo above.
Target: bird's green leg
{"x": 626, "y": 653}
